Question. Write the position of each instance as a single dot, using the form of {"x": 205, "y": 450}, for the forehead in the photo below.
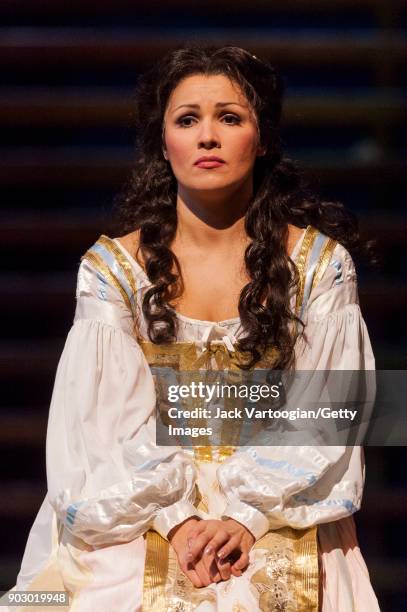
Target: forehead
{"x": 200, "y": 88}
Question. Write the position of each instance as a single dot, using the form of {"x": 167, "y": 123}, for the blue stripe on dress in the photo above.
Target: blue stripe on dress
{"x": 339, "y": 271}
{"x": 71, "y": 513}
{"x": 283, "y": 465}
{"x": 112, "y": 263}
{"x": 311, "y": 266}
{"x": 345, "y": 503}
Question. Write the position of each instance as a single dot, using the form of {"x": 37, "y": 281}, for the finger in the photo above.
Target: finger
{"x": 229, "y": 547}
{"x": 198, "y": 545}
{"x": 221, "y": 537}
{"x": 242, "y": 562}
{"x": 214, "y": 572}
{"x": 194, "y": 578}
{"x": 213, "y": 545}
{"x": 202, "y": 541}
{"x": 224, "y": 568}
{"x": 204, "y": 576}
{"x": 190, "y": 573}
{"x": 211, "y": 567}
{"x": 235, "y": 572}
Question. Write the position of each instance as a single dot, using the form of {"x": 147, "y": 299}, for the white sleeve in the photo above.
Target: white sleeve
{"x": 335, "y": 335}
{"x": 108, "y": 481}
{"x": 301, "y": 486}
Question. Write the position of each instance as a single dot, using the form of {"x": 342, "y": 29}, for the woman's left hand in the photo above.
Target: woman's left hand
{"x": 226, "y": 543}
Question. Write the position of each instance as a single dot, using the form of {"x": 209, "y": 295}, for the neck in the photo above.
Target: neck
{"x": 208, "y": 220}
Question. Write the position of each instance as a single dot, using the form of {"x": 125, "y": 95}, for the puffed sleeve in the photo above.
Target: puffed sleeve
{"x": 271, "y": 487}
{"x": 108, "y": 482}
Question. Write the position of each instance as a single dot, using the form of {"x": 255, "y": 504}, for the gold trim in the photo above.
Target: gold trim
{"x": 126, "y": 266}
{"x": 155, "y": 572}
{"x": 100, "y": 265}
{"x": 180, "y": 355}
{"x": 289, "y": 578}
{"x": 323, "y": 261}
{"x": 292, "y": 559}
{"x": 120, "y": 256}
{"x": 301, "y": 263}
{"x": 203, "y": 453}
{"x": 185, "y": 356}
{"x": 306, "y": 570}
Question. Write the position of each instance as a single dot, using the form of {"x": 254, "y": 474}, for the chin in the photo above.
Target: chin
{"x": 213, "y": 183}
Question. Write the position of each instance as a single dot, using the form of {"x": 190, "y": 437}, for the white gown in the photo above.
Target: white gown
{"x": 108, "y": 483}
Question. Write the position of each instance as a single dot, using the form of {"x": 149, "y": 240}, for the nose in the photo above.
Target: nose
{"x": 208, "y": 138}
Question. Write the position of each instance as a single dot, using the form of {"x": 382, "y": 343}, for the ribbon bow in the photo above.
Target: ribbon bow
{"x": 220, "y": 350}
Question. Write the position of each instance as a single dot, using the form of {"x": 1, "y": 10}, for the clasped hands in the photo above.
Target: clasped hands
{"x": 211, "y": 550}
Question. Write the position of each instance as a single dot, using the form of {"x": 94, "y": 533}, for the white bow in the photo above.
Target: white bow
{"x": 216, "y": 330}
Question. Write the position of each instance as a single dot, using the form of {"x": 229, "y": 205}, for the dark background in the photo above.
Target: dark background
{"x": 68, "y": 72}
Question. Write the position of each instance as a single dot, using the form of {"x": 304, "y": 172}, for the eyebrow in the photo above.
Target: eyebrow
{"x": 217, "y": 105}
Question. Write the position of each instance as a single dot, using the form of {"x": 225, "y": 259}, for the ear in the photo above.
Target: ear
{"x": 165, "y": 154}
{"x": 261, "y": 150}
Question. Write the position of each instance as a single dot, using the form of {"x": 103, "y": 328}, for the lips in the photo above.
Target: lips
{"x": 209, "y": 162}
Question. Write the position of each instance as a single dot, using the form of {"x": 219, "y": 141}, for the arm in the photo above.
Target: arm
{"x": 270, "y": 487}
{"x": 108, "y": 481}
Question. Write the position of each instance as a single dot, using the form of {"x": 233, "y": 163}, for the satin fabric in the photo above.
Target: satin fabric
{"x": 108, "y": 483}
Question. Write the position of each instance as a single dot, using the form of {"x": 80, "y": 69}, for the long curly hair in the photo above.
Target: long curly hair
{"x": 281, "y": 195}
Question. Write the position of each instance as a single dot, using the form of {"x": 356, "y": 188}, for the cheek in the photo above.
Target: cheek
{"x": 178, "y": 146}
{"x": 244, "y": 146}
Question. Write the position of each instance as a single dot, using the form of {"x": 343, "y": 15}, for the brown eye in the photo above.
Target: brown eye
{"x": 231, "y": 119}
{"x": 183, "y": 121}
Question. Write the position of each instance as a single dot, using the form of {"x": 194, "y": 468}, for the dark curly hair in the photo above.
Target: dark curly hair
{"x": 281, "y": 195}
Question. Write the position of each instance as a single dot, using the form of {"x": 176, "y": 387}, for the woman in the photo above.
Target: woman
{"x": 226, "y": 255}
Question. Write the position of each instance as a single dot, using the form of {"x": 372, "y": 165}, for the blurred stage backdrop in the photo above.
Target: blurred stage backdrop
{"x": 68, "y": 73}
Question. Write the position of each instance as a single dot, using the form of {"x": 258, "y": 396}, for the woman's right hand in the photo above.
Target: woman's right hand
{"x": 197, "y": 571}
{"x": 225, "y": 543}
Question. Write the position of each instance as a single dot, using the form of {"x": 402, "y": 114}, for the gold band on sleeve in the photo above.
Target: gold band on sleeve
{"x": 100, "y": 265}
{"x": 323, "y": 261}
{"x": 301, "y": 263}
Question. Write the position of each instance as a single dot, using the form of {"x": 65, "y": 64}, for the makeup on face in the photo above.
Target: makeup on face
{"x": 211, "y": 134}
{"x": 209, "y": 161}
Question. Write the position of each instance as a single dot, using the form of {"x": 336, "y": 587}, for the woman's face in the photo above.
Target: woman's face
{"x": 208, "y": 116}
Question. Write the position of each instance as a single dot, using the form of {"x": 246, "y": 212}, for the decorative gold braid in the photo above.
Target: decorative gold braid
{"x": 323, "y": 261}
{"x": 184, "y": 356}
{"x": 100, "y": 265}
{"x": 203, "y": 453}
{"x": 305, "y": 569}
{"x": 125, "y": 264}
{"x": 120, "y": 256}
{"x": 156, "y": 567}
{"x": 301, "y": 263}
